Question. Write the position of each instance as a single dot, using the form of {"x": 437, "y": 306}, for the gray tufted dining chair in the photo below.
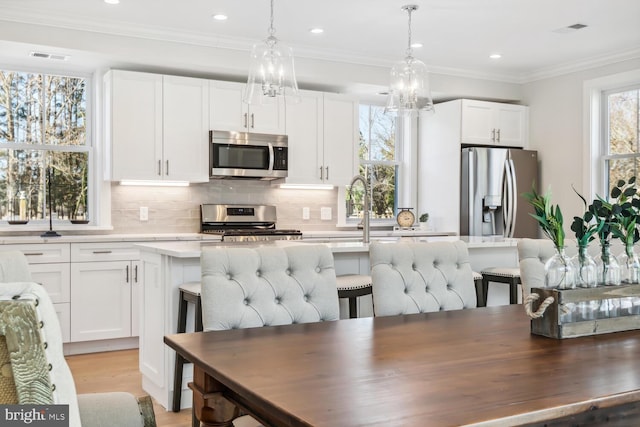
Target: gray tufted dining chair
{"x": 267, "y": 286}
{"x": 421, "y": 277}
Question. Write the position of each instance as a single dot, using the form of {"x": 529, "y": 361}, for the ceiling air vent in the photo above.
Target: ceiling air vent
{"x": 45, "y": 55}
{"x": 570, "y": 29}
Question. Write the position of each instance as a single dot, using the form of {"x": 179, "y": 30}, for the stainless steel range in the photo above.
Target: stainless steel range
{"x": 243, "y": 223}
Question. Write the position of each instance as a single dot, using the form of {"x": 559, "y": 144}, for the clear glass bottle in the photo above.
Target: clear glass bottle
{"x": 629, "y": 265}
{"x": 559, "y": 271}
{"x": 607, "y": 266}
{"x": 586, "y": 276}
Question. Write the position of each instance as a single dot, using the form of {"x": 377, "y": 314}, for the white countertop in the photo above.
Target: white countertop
{"x": 82, "y": 238}
{"x": 192, "y": 249}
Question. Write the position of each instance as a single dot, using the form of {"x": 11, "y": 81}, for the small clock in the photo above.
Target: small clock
{"x": 405, "y": 217}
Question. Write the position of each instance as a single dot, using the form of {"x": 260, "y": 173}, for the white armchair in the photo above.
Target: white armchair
{"x": 32, "y": 363}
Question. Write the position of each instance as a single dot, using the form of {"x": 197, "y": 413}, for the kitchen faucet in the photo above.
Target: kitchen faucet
{"x": 365, "y": 206}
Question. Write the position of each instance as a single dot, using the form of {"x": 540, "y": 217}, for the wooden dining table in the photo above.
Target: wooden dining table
{"x": 478, "y": 367}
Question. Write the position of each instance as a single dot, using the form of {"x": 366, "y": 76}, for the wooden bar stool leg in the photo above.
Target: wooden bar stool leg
{"x": 513, "y": 292}
{"x": 485, "y": 291}
{"x": 198, "y": 325}
{"x": 353, "y": 308}
{"x": 179, "y": 363}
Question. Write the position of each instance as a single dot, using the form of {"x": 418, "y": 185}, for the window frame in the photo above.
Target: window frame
{"x": 594, "y": 127}
{"x": 96, "y": 193}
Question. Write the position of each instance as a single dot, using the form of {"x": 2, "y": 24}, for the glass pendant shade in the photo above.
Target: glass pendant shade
{"x": 409, "y": 89}
{"x": 271, "y": 72}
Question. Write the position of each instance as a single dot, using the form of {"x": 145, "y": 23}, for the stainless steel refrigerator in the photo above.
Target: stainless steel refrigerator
{"x": 492, "y": 183}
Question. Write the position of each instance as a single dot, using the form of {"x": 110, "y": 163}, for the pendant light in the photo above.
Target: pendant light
{"x": 271, "y": 73}
{"x": 409, "y": 89}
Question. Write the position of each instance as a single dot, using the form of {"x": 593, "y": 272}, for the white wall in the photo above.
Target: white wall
{"x": 556, "y": 113}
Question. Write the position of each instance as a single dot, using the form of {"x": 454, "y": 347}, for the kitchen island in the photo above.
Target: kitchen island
{"x": 167, "y": 265}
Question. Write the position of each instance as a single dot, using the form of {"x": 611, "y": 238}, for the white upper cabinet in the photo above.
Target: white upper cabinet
{"x": 228, "y": 112}
{"x": 341, "y": 130}
{"x": 323, "y": 131}
{"x": 156, "y": 127}
{"x": 494, "y": 123}
{"x": 304, "y": 128}
{"x": 185, "y": 129}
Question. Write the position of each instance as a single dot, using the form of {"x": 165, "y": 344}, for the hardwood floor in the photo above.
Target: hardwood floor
{"x": 118, "y": 371}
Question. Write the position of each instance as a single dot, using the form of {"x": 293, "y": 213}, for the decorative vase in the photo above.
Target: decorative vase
{"x": 559, "y": 271}
{"x": 629, "y": 265}
{"x": 586, "y": 276}
{"x": 607, "y": 266}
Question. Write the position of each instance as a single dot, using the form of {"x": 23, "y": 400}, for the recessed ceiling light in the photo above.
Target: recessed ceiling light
{"x": 220, "y": 17}
{"x": 416, "y": 44}
{"x": 316, "y": 31}
{"x": 495, "y": 56}
{"x": 112, "y": 1}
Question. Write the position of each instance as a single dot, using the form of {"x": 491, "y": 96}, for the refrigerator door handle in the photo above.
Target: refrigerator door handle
{"x": 514, "y": 197}
{"x": 507, "y": 214}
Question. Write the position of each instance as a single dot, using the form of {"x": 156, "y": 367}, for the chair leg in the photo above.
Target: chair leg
{"x": 179, "y": 363}
{"x": 513, "y": 292}
{"x": 198, "y": 312}
{"x": 353, "y": 308}
{"x": 479, "y": 293}
{"x": 485, "y": 291}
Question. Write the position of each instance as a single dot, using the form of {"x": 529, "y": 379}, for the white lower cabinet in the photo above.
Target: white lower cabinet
{"x": 49, "y": 266}
{"x": 104, "y": 291}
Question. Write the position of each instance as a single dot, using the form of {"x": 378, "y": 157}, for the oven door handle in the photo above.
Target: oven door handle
{"x": 271, "y": 157}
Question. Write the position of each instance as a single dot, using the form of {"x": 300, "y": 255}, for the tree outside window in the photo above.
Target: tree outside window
{"x": 378, "y": 164}
{"x": 43, "y": 144}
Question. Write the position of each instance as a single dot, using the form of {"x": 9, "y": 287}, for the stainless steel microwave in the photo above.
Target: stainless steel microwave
{"x": 248, "y": 155}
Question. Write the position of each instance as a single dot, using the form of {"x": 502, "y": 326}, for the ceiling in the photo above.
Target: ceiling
{"x": 457, "y": 35}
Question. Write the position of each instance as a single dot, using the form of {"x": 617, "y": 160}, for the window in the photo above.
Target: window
{"x": 378, "y": 164}
{"x": 621, "y": 151}
{"x": 44, "y": 153}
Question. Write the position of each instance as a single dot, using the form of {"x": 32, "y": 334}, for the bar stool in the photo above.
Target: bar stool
{"x": 480, "y": 296}
{"x": 508, "y": 275}
{"x": 353, "y": 286}
{"x": 189, "y": 293}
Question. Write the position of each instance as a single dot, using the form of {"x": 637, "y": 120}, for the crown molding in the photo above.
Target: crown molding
{"x": 581, "y": 65}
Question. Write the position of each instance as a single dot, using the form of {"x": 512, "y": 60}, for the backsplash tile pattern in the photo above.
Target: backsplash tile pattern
{"x": 177, "y": 209}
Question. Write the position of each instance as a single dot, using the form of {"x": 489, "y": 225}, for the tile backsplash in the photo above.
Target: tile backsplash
{"x": 177, "y": 209}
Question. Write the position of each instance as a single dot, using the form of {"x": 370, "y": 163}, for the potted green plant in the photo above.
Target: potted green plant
{"x": 625, "y": 195}
{"x": 585, "y": 229}
{"x": 559, "y": 270}
{"x": 423, "y": 220}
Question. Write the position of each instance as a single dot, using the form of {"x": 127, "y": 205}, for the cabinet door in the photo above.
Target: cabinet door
{"x": 512, "y": 125}
{"x": 478, "y": 126}
{"x": 64, "y": 318}
{"x": 134, "y": 124}
{"x": 226, "y": 108}
{"x": 100, "y": 300}
{"x": 266, "y": 118}
{"x": 304, "y": 128}
{"x": 55, "y": 278}
{"x": 340, "y": 129}
{"x": 185, "y": 129}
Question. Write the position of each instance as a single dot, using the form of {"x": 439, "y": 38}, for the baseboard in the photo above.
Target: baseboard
{"x": 100, "y": 346}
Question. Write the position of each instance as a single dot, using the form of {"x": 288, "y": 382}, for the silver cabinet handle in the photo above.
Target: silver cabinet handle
{"x": 253, "y": 122}
{"x": 102, "y": 252}
{"x": 321, "y": 173}
{"x": 498, "y": 134}
{"x": 159, "y": 167}
{"x": 33, "y": 253}
{"x": 167, "y": 171}
{"x": 493, "y": 135}
{"x": 245, "y": 120}
{"x": 135, "y": 273}
{"x": 127, "y": 270}
{"x": 327, "y": 174}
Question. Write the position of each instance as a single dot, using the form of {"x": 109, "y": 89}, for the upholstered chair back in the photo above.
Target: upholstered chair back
{"x": 32, "y": 340}
{"x": 421, "y": 277}
{"x": 533, "y": 254}
{"x": 268, "y": 285}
